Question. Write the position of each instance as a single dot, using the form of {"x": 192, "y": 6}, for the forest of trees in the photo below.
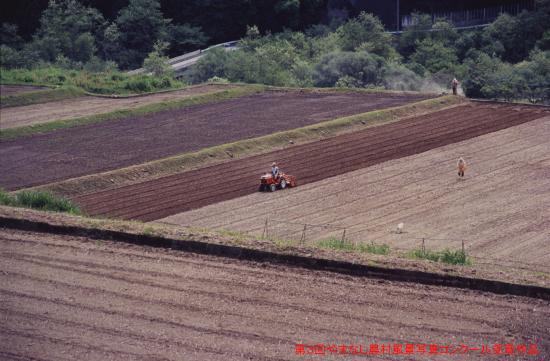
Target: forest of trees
{"x": 284, "y": 42}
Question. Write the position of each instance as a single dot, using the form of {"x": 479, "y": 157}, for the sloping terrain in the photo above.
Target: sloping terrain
{"x": 501, "y": 209}
{"x": 75, "y": 298}
{"x": 113, "y": 144}
{"x": 90, "y": 105}
{"x": 309, "y": 162}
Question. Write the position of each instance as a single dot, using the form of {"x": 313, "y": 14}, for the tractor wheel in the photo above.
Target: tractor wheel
{"x": 272, "y": 187}
{"x": 261, "y": 188}
{"x": 283, "y": 184}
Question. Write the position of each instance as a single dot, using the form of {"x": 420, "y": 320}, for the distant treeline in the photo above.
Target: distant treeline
{"x": 219, "y": 20}
{"x": 509, "y": 59}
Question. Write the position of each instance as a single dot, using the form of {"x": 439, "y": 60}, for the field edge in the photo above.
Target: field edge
{"x": 209, "y": 243}
{"x": 230, "y": 151}
{"x": 206, "y": 98}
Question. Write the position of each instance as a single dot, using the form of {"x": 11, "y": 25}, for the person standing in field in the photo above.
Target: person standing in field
{"x": 454, "y": 84}
{"x": 461, "y": 165}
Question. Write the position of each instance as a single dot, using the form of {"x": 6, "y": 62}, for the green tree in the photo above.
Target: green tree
{"x": 185, "y": 38}
{"x": 418, "y": 31}
{"x": 69, "y": 29}
{"x": 140, "y": 24}
{"x": 213, "y": 63}
{"x": 479, "y": 67}
{"x": 434, "y": 56}
{"x": 535, "y": 73}
{"x": 365, "y": 68}
{"x": 366, "y": 31}
{"x": 9, "y": 36}
{"x": 156, "y": 63}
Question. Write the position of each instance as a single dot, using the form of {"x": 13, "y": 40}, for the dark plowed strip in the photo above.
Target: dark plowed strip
{"x": 310, "y": 162}
{"x": 93, "y": 148}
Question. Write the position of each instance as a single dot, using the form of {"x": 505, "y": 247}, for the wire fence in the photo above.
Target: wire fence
{"x": 308, "y": 234}
{"x": 478, "y": 16}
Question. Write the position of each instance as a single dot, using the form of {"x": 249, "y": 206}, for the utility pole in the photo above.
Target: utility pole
{"x": 398, "y": 20}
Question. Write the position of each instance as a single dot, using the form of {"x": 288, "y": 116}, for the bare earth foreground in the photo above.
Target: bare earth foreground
{"x": 113, "y": 144}
{"x": 73, "y": 298}
{"x": 309, "y": 162}
{"x": 90, "y": 105}
{"x": 501, "y": 209}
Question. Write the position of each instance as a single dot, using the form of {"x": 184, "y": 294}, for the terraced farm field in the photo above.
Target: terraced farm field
{"x": 9, "y": 90}
{"x": 501, "y": 209}
{"x": 108, "y": 145}
{"x": 75, "y": 298}
{"x": 309, "y": 162}
{"x": 90, "y": 105}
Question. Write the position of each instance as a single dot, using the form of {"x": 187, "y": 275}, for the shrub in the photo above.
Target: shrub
{"x": 45, "y": 201}
{"x": 445, "y": 256}
{"x": 339, "y": 244}
{"x": 139, "y": 85}
{"x": 38, "y": 200}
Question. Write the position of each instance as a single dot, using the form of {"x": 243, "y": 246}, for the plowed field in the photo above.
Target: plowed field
{"x": 501, "y": 209}
{"x": 310, "y": 162}
{"x": 109, "y": 145}
{"x": 89, "y": 105}
{"x": 73, "y": 298}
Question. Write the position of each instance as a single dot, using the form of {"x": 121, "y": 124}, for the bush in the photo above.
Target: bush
{"x": 39, "y": 200}
{"x": 364, "y": 68}
{"x": 338, "y": 244}
{"x": 445, "y": 256}
{"x": 138, "y": 85}
{"x": 10, "y": 58}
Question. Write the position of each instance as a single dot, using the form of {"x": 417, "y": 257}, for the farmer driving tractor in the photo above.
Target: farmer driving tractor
{"x": 274, "y": 170}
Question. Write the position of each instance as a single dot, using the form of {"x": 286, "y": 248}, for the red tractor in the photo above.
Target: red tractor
{"x": 268, "y": 183}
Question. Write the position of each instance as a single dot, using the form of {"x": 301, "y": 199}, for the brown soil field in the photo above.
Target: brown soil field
{"x": 74, "y": 298}
{"x": 309, "y": 162}
{"x": 9, "y": 90}
{"x": 90, "y": 105}
{"x": 88, "y": 149}
{"x": 501, "y": 209}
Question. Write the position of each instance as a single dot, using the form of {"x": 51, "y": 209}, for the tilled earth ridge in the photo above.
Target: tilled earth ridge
{"x": 501, "y": 209}
{"x": 88, "y": 149}
{"x": 90, "y": 105}
{"x": 310, "y": 162}
{"x": 67, "y": 298}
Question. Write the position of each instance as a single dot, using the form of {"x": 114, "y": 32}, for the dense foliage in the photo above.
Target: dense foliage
{"x": 509, "y": 59}
{"x": 500, "y": 61}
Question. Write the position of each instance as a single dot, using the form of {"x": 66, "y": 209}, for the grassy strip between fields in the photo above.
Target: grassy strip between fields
{"x": 393, "y": 260}
{"x": 243, "y": 148}
{"x": 43, "y": 201}
{"x": 41, "y": 96}
{"x": 458, "y": 257}
{"x": 342, "y": 245}
{"x": 13, "y": 133}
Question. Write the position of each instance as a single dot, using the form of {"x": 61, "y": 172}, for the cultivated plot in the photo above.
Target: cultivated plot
{"x": 501, "y": 209}
{"x": 68, "y": 153}
{"x": 9, "y": 90}
{"x": 73, "y": 298}
{"x": 309, "y": 162}
{"x": 90, "y": 105}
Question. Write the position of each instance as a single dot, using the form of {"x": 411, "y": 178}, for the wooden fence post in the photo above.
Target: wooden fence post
{"x": 265, "y": 233}
{"x": 344, "y": 236}
{"x": 423, "y": 247}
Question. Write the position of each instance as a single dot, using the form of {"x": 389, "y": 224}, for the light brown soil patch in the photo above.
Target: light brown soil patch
{"x": 74, "y": 298}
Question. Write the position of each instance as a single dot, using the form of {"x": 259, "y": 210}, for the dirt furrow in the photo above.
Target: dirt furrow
{"x": 146, "y": 202}
{"x": 93, "y": 148}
